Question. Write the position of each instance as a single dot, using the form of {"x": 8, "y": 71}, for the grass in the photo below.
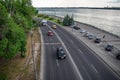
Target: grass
{"x": 50, "y": 18}
{"x": 20, "y": 68}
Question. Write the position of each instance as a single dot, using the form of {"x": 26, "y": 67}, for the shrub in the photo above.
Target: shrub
{"x": 40, "y": 15}
{"x": 51, "y": 18}
{"x": 45, "y": 16}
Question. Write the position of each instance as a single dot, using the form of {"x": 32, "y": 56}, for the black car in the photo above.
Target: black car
{"x": 75, "y": 27}
{"x": 97, "y": 40}
{"x": 118, "y": 56}
{"x": 61, "y": 53}
{"x": 109, "y": 47}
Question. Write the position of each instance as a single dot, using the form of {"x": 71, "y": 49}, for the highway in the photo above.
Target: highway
{"x": 80, "y": 59}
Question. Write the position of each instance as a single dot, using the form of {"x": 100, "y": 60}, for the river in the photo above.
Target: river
{"x": 108, "y": 20}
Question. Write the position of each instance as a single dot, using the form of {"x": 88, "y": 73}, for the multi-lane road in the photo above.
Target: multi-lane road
{"x": 80, "y": 64}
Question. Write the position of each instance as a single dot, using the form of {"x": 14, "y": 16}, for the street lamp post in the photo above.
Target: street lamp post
{"x": 32, "y": 52}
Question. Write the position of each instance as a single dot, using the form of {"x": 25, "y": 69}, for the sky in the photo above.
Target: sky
{"x": 76, "y": 3}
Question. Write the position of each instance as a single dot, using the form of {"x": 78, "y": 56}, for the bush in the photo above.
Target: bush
{"x": 45, "y": 16}
{"x": 50, "y": 18}
{"x": 58, "y": 21}
{"x": 40, "y": 15}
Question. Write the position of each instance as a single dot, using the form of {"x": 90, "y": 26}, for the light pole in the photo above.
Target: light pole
{"x": 32, "y": 52}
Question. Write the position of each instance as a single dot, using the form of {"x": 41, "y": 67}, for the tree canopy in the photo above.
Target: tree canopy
{"x": 15, "y": 19}
{"x": 67, "y": 21}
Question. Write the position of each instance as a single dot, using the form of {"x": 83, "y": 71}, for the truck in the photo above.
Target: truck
{"x": 44, "y": 22}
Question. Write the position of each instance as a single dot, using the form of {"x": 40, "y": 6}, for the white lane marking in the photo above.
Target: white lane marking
{"x": 94, "y": 68}
{"x": 42, "y": 70}
{"x": 73, "y": 63}
{"x": 57, "y": 63}
{"x": 80, "y": 51}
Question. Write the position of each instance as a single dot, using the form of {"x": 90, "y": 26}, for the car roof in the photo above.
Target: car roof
{"x": 109, "y": 45}
{"x": 49, "y": 31}
{"x": 98, "y": 37}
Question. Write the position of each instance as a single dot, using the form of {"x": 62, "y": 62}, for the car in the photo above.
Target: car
{"x": 83, "y": 30}
{"x": 75, "y": 27}
{"x": 97, "y": 40}
{"x": 118, "y": 56}
{"x": 91, "y": 36}
{"x": 54, "y": 26}
{"x": 61, "y": 53}
{"x": 50, "y": 33}
{"x": 109, "y": 47}
{"x": 87, "y": 34}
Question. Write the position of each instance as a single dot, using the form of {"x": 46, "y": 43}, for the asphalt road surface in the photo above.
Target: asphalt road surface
{"x": 88, "y": 65}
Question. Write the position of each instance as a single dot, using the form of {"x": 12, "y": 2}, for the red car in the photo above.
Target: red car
{"x": 50, "y": 33}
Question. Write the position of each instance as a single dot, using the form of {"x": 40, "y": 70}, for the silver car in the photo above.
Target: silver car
{"x": 83, "y": 31}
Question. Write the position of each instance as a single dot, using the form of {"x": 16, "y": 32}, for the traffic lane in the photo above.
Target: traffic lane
{"x": 96, "y": 64}
{"x": 50, "y": 66}
{"x": 83, "y": 66}
{"x": 64, "y": 71}
{"x": 51, "y": 58}
{"x": 65, "y": 68}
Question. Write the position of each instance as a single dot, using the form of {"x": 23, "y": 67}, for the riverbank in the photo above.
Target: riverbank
{"x": 97, "y": 28}
{"x": 77, "y": 22}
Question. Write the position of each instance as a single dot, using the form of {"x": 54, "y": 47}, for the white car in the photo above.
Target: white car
{"x": 87, "y": 34}
{"x": 83, "y": 31}
{"x": 91, "y": 36}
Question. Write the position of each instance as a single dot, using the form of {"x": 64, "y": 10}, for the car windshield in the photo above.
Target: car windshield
{"x": 62, "y": 52}
{"x": 109, "y": 45}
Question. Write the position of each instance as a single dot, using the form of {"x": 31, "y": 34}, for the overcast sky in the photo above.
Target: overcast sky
{"x": 75, "y": 3}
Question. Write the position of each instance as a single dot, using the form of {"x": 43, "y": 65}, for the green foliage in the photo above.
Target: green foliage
{"x": 45, "y": 16}
{"x": 58, "y": 21}
{"x": 3, "y": 76}
{"x": 20, "y": 20}
{"x": 36, "y": 12}
{"x": 15, "y": 18}
{"x": 51, "y": 18}
{"x": 67, "y": 21}
{"x": 40, "y": 15}
{"x": 3, "y": 45}
{"x": 3, "y": 14}
{"x": 71, "y": 21}
{"x": 14, "y": 36}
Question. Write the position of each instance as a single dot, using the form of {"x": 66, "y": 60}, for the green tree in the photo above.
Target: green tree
{"x": 66, "y": 20}
{"x": 71, "y": 21}
{"x": 15, "y": 18}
